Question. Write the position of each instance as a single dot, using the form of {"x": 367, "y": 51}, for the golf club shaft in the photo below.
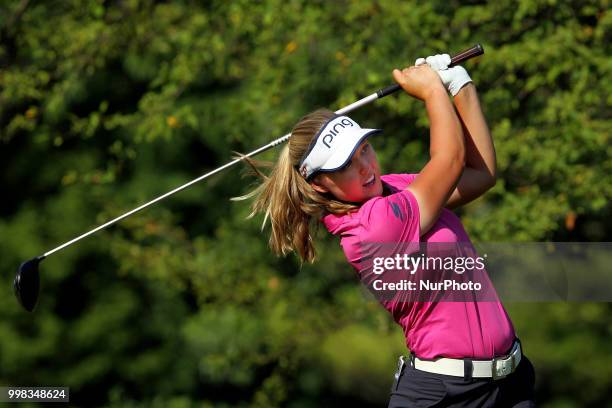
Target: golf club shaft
{"x": 457, "y": 59}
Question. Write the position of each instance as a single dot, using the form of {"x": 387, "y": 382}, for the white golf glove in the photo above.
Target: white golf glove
{"x": 453, "y": 78}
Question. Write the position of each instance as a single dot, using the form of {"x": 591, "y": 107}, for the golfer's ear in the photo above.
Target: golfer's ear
{"x": 318, "y": 186}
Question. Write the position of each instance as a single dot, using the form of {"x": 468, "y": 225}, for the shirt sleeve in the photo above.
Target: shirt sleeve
{"x": 394, "y": 218}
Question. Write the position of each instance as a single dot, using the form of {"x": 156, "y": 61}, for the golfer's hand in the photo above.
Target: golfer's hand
{"x": 453, "y": 78}
{"x": 419, "y": 81}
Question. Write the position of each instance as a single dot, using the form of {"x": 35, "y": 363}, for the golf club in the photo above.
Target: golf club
{"x": 27, "y": 280}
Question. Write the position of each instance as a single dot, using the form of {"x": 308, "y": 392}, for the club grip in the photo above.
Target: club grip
{"x": 467, "y": 54}
{"x": 455, "y": 60}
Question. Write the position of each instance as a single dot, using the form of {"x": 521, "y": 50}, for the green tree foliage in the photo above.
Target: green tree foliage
{"x": 107, "y": 104}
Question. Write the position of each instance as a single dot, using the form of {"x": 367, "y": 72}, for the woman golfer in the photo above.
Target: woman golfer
{"x": 463, "y": 353}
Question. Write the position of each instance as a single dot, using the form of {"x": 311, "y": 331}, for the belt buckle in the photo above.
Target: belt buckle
{"x": 503, "y": 367}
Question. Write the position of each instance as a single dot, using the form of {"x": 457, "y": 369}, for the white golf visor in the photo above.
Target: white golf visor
{"x": 333, "y": 147}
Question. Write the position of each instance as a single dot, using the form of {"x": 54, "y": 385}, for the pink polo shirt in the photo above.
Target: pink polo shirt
{"x": 466, "y": 329}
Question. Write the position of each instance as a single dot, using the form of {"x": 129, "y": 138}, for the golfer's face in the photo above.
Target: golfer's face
{"x": 358, "y": 181}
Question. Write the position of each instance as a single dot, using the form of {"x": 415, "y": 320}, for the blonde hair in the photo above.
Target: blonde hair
{"x": 287, "y": 199}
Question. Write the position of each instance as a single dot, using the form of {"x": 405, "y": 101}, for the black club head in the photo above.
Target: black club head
{"x": 27, "y": 283}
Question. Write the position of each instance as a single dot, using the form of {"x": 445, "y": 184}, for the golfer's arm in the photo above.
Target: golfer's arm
{"x": 480, "y": 173}
{"x": 435, "y": 182}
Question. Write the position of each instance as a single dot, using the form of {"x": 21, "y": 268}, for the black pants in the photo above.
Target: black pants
{"x": 421, "y": 389}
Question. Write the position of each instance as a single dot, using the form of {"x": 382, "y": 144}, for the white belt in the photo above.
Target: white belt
{"x": 497, "y": 368}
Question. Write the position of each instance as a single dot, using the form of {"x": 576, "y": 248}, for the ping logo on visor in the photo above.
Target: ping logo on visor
{"x": 327, "y": 138}
{"x": 333, "y": 147}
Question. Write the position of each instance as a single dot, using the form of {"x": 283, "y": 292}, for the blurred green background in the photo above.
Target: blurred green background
{"x": 107, "y": 104}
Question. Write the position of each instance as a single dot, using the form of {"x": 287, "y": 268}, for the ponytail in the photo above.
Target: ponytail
{"x": 287, "y": 199}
